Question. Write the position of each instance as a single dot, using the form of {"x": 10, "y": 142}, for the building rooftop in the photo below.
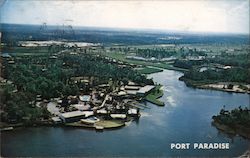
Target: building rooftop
{"x": 132, "y": 111}
{"x": 6, "y": 55}
{"x": 81, "y": 106}
{"x": 130, "y": 83}
{"x": 121, "y": 116}
{"x": 146, "y": 89}
{"x": 56, "y": 119}
{"x": 72, "y": 114}
{"x": 120, "y": 93}
{"x": 85, "y": 98}
{"x": 102, "y": 111}
{"x": 131, "y": 92}
{"x": 132, "y": 87}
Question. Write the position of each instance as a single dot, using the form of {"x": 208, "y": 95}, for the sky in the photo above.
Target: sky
{"x": 225, "y": 16}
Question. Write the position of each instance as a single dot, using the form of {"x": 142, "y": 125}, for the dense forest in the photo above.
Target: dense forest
{"x": 239, "y": 60}
{"x": 50, "y": 78}
{"x": 212, "y": 76}
{"x": 158, "y": 53}
{"x": 188, "y": 64}
{"x": 19, "y": 107}
{"x": 236, "y": 121}
{"x": 239, "y": 70}
{"x": 238, "y": 116}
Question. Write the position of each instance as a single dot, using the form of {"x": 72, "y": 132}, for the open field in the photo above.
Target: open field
{"x": 163, "y": 65}
{"x": 148, "y": 70}
{"x": 106, "y": 124}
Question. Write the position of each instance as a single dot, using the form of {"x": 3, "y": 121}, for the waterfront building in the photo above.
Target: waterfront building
{"x": 145, "y": 90}
{"x": 85, "y": 98}
{"x": 72, "y": 116}
{"x": 56, "y": 120}
{"x": 118, "y": 116}
{"x": 133, "y": 112}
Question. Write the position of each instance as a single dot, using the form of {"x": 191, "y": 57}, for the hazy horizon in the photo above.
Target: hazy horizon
{"x": 225, "y": 17}
{"x": 149, "y": 30}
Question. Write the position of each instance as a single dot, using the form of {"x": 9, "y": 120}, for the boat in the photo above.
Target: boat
{"x": 90, "y": 120}
{"x": 99, "y": 127}
{"x": 128, "y": 123}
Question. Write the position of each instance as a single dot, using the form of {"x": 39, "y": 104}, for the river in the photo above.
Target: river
{"x": 186, "y": 117}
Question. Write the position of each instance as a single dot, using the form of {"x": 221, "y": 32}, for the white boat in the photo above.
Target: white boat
{"x": 128, "y": 123}
{"x": 99, "y": 127}
{"x": 91, "y": 120}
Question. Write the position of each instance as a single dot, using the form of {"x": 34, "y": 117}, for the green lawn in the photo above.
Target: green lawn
{"x": 104, "y": 123}
{"x": 163, "y": 65}
{"x": 148, "y": 70}
{"x": 168, "y": 66}
{"x": 154, "y": 96}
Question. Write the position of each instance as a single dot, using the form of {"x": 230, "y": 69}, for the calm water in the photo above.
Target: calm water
{"x": 186, "y": 117}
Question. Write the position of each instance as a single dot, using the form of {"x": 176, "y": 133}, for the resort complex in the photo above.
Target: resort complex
{"x": 100, "y": 109}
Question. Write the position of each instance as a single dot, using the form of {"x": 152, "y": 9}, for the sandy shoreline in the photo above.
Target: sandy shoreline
{"x": 223, "y": 87}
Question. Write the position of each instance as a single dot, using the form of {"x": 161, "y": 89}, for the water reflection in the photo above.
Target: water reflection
{"x": 170, "y": 101}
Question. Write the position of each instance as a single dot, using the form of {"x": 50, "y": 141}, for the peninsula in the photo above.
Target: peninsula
{"x": 234, "y": 122}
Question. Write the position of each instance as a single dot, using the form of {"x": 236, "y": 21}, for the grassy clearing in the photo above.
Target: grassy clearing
{"x": 168, "y": 66}
{"x": 110, "y": 123}
{"x": 154, "y": 96}
{"x": 25, "y": 51}
{"x": 21, "y": 50}
{"x": 103, "y": 123}
{"x": 118, "y": 56}
{"x": 163, "y": 65}
{"x": 148, "y": 70}
{"x": 78, "y": 124}
{"x": 122, "y": 57}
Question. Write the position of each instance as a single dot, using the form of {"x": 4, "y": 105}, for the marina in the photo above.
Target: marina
{"x": 149, "y": 136}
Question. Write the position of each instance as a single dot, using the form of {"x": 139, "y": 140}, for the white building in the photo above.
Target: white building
{"x": 144, "y": 90}
{"x": 74, "y": 116}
